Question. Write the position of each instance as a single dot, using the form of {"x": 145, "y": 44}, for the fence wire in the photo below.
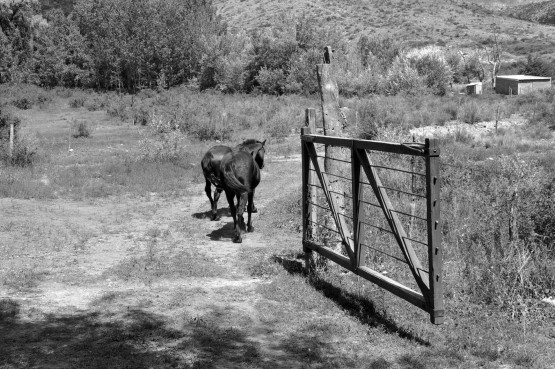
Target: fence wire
{"x": 403, "y": 179}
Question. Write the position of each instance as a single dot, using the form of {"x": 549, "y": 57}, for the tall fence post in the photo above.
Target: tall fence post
{"x": 435, "y": 248}
{"x": 12, "y": 134}
{"x": 333, "y": 121}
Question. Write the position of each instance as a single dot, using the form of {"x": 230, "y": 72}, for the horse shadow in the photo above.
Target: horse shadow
{"x": 224, "y": 233}
{"x": 208, "y": 214}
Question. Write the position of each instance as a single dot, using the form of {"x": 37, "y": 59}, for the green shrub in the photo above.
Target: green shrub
{"x": 43, "y": 100}
{"x": 499, "y": 220}
{"x": 77, "y": 102}
{"x": 141, "y": 115}
{"x": 403, "y": 78}
{"x": 162, "y": 142}
{"x": 271, "y": 81}
{"x": 279, "y": 127}
{"x": 63, "y": 92}
{"x": 431, "y": 64}
{"x": 473, "y": 111}
{"x": 95, "y": 102}
{"x": 23, "y": 103}
{"x": 80, "y": 129}
{"x": 23, "y": 154}
{"x": 118, "y": 109}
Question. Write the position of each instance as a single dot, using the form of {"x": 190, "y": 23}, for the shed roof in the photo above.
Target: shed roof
{"x": 522, "y": 77}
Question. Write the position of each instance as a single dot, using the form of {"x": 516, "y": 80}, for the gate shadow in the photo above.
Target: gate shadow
{"x": 359, "y": 307}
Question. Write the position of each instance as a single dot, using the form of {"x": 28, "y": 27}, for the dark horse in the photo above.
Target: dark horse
{"x": 212, "y": 172}
{"x": 240, "y": 174}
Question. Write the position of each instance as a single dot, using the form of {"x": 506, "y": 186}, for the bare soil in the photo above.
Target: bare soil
{"x": 73, "y": 281}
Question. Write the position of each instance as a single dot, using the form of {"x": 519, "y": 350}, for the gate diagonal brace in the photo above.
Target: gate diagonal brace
{"x": 394, "y": 223}
{"x": 340, "y": 223}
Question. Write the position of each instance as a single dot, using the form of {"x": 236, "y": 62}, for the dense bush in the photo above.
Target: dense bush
{"x": 536, "y": 66}
{"x": 498, "y": 221}
{"x": 80, "y": 129}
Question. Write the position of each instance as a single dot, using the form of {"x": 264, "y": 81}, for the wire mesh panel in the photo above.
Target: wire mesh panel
{"x": 373, "y": 208}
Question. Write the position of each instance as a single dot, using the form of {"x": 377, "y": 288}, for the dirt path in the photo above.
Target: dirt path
{"x": 109, "y": 257}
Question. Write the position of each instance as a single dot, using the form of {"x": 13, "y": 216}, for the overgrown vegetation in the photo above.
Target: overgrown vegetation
{"x": 496, "y": 205}
{"x": 160, "y": 44}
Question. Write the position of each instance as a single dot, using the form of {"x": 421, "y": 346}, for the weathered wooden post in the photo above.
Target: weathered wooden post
{"x": 435, "y": 248}
{"x": 310, "y": 216}
{"x": 334, "y": 122}
{"x": 12, "y": 134}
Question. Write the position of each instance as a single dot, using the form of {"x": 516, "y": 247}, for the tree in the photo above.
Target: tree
{"x": 60, "y": 56}
{"x": 144, "y": 43}
{"x": 472, "y": 66}
{"x": 536, "y": 66}
{"x": 16, "y": 39}
{"x": 378, "y": 51}
{"x": 493, "y": 50}
{"x": 431, "y": 64}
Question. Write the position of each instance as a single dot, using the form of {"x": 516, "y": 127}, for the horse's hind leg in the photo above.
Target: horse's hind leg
{"x": 250, "y": 210}
{"x": 240, "y": 218}
{"x": 236, "y": 229}
{"x": 217, "y": 193}
{"x": 207, "y": 189}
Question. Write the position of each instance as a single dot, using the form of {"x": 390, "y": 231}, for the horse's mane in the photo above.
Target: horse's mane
{"x": 250, "y": 141}
{"x": 252, "y": 146}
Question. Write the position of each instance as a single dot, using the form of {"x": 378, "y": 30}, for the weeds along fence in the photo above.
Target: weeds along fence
{"x": 386, "y": 226}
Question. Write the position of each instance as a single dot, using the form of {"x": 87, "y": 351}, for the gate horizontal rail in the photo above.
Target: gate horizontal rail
{"x": 363, "y": 172}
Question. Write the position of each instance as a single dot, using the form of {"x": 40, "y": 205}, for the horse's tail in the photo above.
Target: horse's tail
{"x": 206, "y": 164}
{"x": 231, "y": 180}
{"x": 208, "y": 169}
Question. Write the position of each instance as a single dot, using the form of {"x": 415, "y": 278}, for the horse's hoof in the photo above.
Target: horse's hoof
{"x": 215, "y": 218}
{"x": 238, "y": 240}
{"x": 250, "y": 229}
{"x": 254, "y": 210}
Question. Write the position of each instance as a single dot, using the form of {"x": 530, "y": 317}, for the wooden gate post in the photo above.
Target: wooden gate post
{"x": 309, "y": 179}
{"x": 333, "y": 122}
{"x": 435, "y": 248}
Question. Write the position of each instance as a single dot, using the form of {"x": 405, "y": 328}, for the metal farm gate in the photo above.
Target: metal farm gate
{"x": 377, "y": 213}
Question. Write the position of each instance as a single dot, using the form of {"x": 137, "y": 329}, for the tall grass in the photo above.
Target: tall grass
{"x": 498, "y": 220}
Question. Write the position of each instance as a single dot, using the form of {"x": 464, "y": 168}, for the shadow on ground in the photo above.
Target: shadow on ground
{"x": 86, "y": 340}
{"x": 357, "y": 306}
{"x": 208, "y": 214}
{"x": 225, "y": 233}
{"x": 139, "y": 339}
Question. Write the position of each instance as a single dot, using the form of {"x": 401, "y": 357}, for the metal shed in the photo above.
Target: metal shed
{"x": 474, "y": 88}
{"x": 520, "y": 84}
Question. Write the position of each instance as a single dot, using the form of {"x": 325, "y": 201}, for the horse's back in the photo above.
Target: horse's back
{"x": 240, "y": 173}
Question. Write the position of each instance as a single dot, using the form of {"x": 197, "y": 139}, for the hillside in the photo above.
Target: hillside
{"x": 457, "y": 23}
{"x": 542, "y": 12}
{"x": 453, "y": 22}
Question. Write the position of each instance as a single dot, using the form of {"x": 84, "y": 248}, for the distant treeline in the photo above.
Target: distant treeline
{"x": 106, "y": 43}
{"x": 137, "y": 44}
